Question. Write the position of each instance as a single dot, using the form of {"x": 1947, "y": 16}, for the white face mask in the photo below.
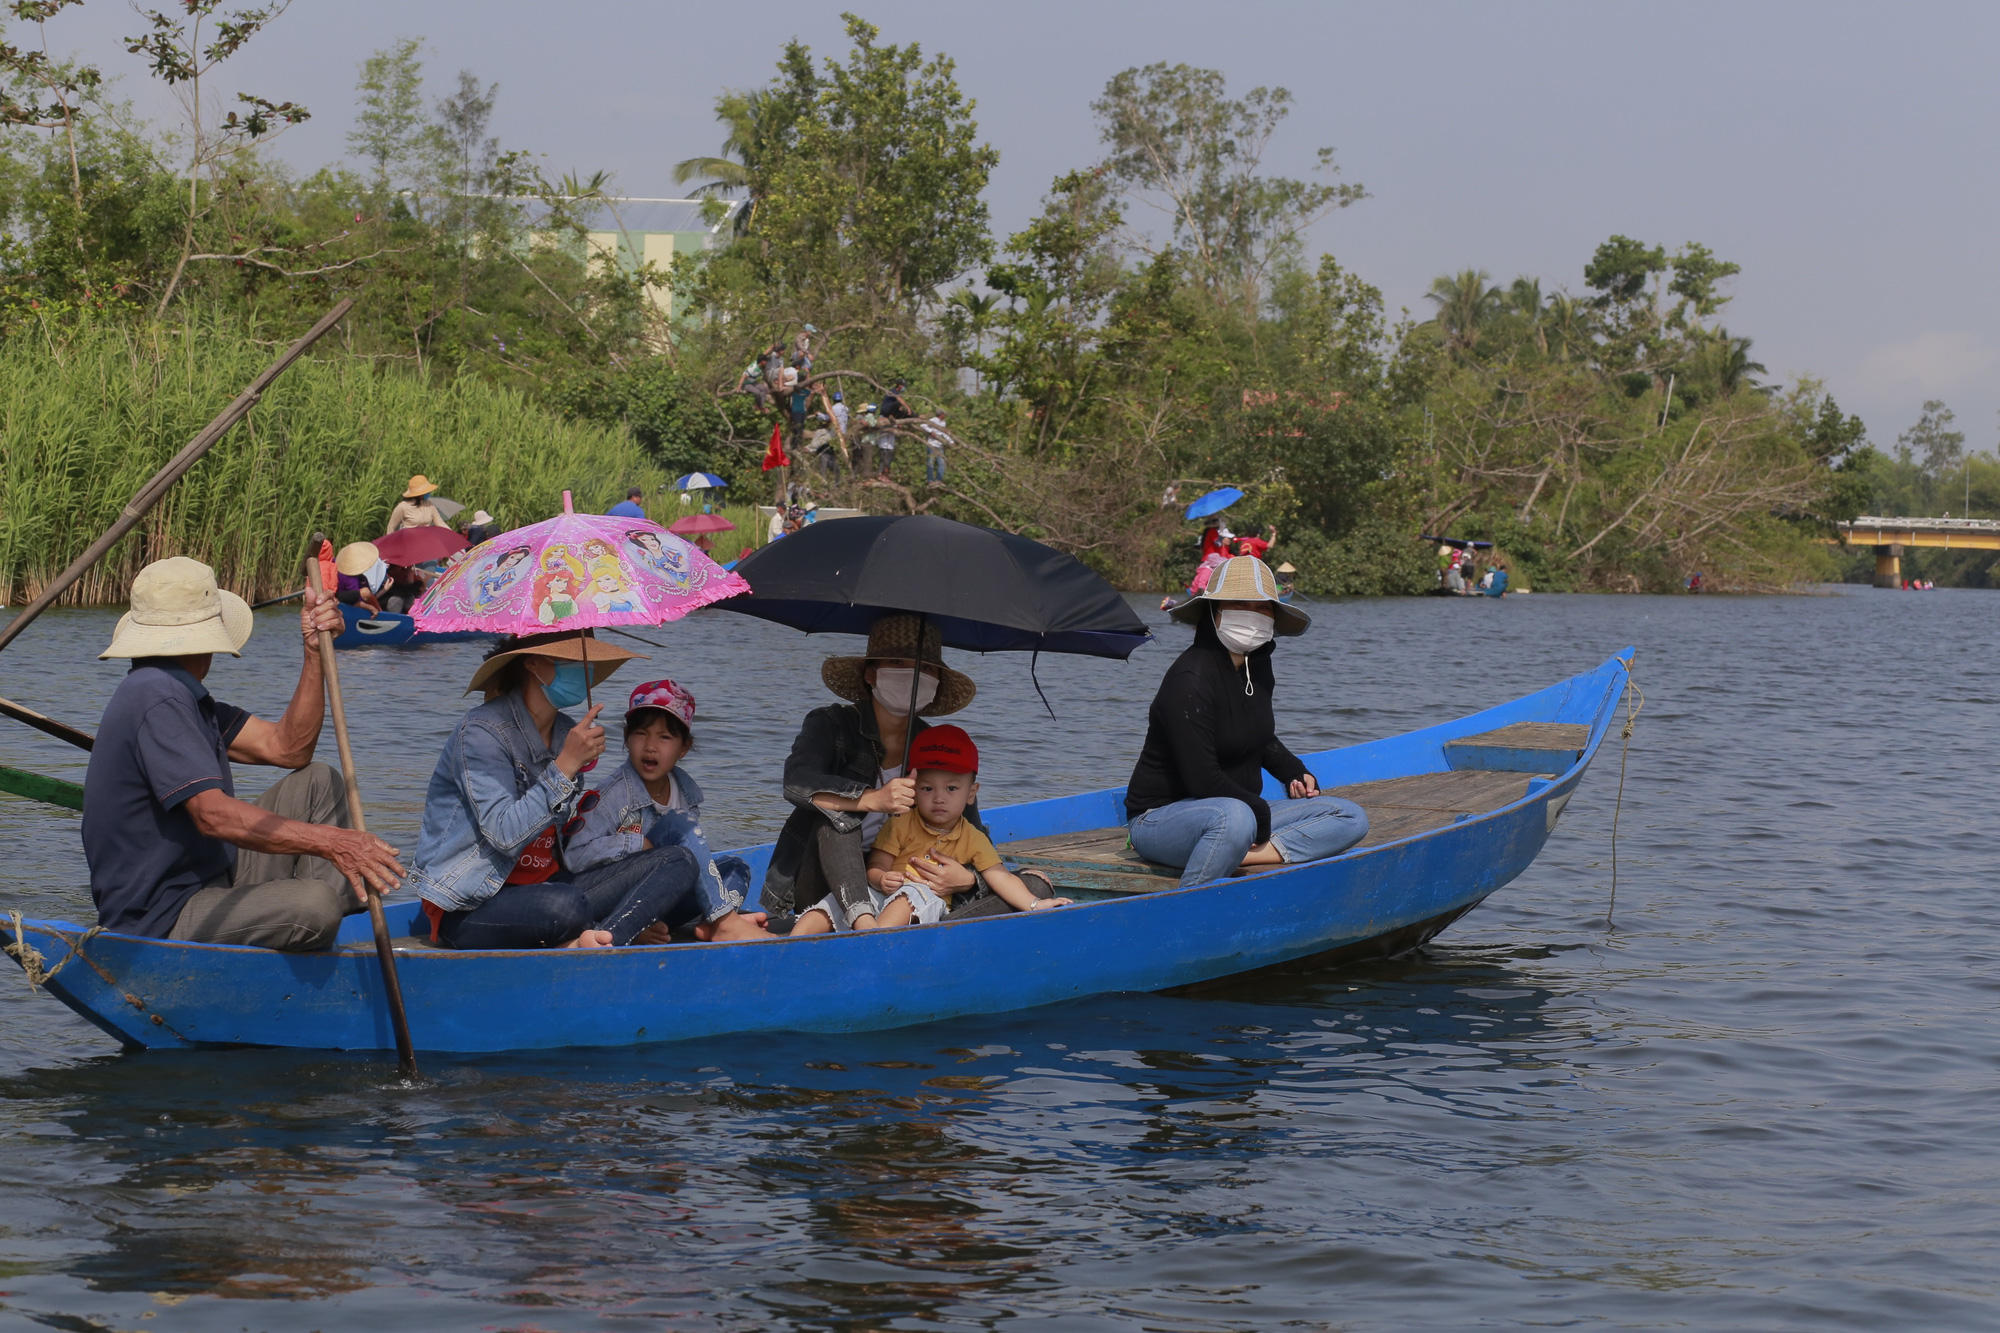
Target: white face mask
{"x": 892, "y": 687}
{"x": 1243, "y": 631}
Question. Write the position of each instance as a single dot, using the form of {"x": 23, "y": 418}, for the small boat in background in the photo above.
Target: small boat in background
{"x": 390, "y": 629}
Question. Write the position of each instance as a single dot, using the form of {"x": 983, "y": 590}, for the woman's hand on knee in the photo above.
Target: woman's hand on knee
{"x": 1304, "y": 787}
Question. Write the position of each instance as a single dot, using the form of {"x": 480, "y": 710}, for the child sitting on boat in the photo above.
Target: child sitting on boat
{"x": 651, "y": 802}
{"x": 931, "y": 851}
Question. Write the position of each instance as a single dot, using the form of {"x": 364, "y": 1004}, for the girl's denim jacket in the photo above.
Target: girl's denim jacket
{"x": 625, "y": 819}
{"x": 496, "y": 786}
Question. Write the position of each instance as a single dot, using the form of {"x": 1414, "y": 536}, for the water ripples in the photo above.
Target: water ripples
{"x": 1762, "y": 1102}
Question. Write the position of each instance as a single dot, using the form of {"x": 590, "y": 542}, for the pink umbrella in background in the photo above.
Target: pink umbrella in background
{"x": 574, "y": 572}
{"x": 696, "y": 524}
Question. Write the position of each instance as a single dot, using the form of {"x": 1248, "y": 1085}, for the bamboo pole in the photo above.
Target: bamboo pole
{"x": 392, "y": 985}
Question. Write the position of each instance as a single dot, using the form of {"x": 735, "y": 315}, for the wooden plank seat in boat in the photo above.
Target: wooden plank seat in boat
{"x": 1102, "y": 860}
{"x": 1525, "y": 747}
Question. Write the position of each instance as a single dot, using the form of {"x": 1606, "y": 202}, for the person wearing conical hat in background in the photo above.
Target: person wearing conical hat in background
{"x": 845, "y": 780}
{"x": 1195, "y": 799}
{"x": 510, "y": 790}
{"x": 173, "y": 853}
{"x": 358, "y": 570}
{"x": 415, "y": 509}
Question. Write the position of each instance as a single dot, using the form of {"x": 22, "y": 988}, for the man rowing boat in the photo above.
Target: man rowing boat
{"x": 172, "y": 852}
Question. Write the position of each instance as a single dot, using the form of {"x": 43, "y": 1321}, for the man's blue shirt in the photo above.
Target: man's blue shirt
{"x": 163, "y": 739}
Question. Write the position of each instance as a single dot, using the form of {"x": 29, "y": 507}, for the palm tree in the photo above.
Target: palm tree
{"x": 1524, "y": 298}
{"x": 1726, "y": 361}
{"x": 977, "y": 311}
{"x": 1565, "y": 325}
{"x": 747, "y": 116}
{"x": 1466, "y": 303}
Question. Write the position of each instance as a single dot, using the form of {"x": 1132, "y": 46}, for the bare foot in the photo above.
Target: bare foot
{"x": 736, "y": 926}
{"x": 591, "y": 939}
{"x": 657, "y": 933}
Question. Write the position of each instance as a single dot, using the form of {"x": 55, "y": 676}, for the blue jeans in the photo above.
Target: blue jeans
{"x": 1209, "y": 838}
{"x": 624, "y": 897}
{"x": 934, "y": 467}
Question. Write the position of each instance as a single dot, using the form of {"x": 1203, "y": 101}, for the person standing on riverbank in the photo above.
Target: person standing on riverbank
{"x": 630, "y": 506}
{"x": 173, "y": 853}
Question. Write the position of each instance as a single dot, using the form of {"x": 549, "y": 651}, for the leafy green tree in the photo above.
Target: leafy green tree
{"x": 1176, "y": 134}
{"x": 390, "y": 129}
{"x": 875, "y": 189}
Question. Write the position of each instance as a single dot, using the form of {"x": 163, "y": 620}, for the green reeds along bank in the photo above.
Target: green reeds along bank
{"x": 87, "y": 414}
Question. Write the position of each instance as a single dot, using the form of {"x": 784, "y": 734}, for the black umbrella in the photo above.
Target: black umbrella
{"x": 1458, "y": 543}
{"x": 985, "y": 590}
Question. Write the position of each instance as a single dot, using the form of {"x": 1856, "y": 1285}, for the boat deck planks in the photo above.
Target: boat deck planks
{"x": 1103, "y": 859}
{"x": 1524, "y": 747}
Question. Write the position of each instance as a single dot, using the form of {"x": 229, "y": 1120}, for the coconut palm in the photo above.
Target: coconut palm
{"x": 747, "y": 117}
{"x": 1467, "y": 302}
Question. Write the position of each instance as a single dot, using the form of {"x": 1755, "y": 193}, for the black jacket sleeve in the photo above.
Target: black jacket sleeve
{"x": 1282, "y": 764}
{"x": 1189, "y": 714}
{"x": 810, "y": 767}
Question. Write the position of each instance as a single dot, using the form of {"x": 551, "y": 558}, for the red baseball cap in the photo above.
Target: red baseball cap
{"x": 948, "y": 748}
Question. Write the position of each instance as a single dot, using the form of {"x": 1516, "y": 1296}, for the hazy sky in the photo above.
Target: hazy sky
{"x": 1841, "y": 153}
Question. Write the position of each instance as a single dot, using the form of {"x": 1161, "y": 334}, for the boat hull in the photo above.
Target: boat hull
{"x": 1375, "y": 900}
{"x": 389, "y": 629}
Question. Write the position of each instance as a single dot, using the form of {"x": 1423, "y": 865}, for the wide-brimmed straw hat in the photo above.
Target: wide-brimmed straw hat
{"x": 895, "y": 636}
{"x": 419, "y": 485}
{"x": 178, "y": 611}
{"x": 356, "y": 558}
{"x": 1243, "y": 578}
{"x": 480, "y": 516}
{"x": 567, "y": 646}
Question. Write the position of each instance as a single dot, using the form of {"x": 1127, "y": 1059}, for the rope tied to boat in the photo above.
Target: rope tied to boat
{"x": 30, "y": 958}
{"x": 1635, "y": 701}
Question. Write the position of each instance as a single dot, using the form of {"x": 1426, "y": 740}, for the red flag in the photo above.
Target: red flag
{"x": 775, "y": 455}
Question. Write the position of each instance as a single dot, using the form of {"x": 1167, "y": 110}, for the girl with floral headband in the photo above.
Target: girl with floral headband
{"x": 651, "y": 802}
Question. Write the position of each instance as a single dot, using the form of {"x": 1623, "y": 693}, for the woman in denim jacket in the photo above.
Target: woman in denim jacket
{"x": 651, "y": 802}
{"x": 508, "y": 783}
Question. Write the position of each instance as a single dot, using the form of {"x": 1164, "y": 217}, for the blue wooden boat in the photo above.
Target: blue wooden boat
{"x": 1456, "y": 811}
{"x": 390, "y": 629}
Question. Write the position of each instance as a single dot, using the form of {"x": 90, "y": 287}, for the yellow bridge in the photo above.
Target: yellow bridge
{"x": 1890, "y": 535}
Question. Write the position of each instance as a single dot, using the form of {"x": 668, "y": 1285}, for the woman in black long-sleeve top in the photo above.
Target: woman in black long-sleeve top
{"x": 1195, "y": 799}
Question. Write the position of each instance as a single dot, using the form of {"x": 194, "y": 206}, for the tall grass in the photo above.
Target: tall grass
{"x": 88, "y": 414}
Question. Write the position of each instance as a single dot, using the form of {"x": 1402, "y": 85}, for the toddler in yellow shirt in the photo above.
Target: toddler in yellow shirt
{"x": 932, "y": 850}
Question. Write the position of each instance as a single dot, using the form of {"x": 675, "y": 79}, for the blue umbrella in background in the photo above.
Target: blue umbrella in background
{"x": 1214, "y": 502}
{"x": 699, "y": 481}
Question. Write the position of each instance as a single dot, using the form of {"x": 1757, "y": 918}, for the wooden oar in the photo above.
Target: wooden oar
{"x": 143, "y": 500}
{"x": 82, "y": 740}
{"x": 392, "y": 985}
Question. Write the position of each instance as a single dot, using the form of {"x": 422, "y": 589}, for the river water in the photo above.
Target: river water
{"x": 1764, "y": 1100}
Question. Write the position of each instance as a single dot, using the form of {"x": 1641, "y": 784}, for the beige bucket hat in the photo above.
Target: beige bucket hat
{"x": 356, "y": 558}
{"x": 1244, "y": 578}
{"x": 419, "y": 485}
{"x": 178, "y": 611}
{"x": 567, "y": 646}
{"x": 896, "y": 636}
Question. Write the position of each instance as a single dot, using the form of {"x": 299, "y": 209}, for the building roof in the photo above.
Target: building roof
{"x": 640, "y": 215}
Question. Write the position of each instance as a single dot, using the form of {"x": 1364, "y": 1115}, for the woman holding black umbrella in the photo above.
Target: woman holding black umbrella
{"x": 845, "y": 776}
{"x": 1195, "y": 796}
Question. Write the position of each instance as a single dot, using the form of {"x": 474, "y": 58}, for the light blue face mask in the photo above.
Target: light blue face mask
{"x": 569, "y": 688}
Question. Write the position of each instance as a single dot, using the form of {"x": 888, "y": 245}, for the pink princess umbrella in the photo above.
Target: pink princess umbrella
{"x": 574, "y": 572}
